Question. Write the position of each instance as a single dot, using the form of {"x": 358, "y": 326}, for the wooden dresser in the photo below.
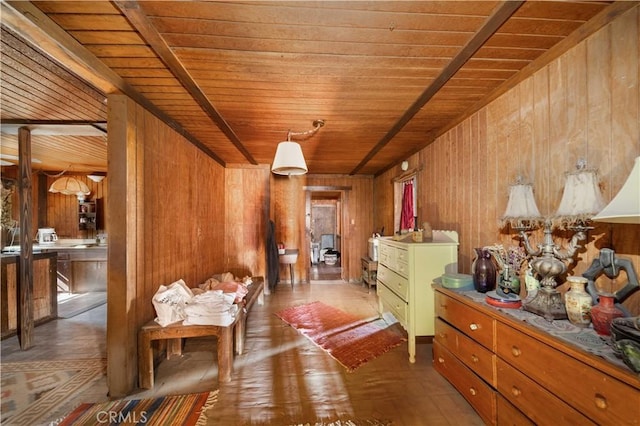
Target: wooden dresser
{"x": 405, "y": 273}
{"x": 515, "y": 373}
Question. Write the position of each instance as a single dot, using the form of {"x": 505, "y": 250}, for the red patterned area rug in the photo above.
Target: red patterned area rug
{"x": 350, "y": 340}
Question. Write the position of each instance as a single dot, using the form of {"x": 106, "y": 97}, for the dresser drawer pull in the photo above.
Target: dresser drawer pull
{"x": 473, "y": 327}
{"x": 515, "y": 351}
{"x": 601, "y": 402}
{"x": 472, "y": 391}
{"x": 441, "y": 360}
{"x": 515, "y": 391}
{"x": 474, "y": 358}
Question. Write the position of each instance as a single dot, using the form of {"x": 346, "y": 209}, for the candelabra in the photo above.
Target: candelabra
{"x": 581, "y": 200}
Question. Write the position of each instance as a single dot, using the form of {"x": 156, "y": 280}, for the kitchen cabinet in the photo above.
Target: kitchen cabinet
{"x": 512, "y": 372}
{"x": 405, "y": 273}
{"x": 44, "y": 294}
{"x": 82, "y": 270}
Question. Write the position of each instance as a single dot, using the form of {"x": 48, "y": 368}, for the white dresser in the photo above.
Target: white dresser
{"x": 406, "y": 271}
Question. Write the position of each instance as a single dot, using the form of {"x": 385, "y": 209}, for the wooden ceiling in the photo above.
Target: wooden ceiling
{"x": 387, "y": 77}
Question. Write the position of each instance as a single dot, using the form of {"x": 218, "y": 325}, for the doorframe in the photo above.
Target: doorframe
{"x": 345, "y": 229}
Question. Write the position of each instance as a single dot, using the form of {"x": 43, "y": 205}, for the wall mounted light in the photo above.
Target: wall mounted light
{"x": 97, "y": 177}
{"x": 289, "y": 159}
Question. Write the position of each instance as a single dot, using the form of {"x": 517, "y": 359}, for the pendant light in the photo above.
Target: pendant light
{"x": 289, "y": 159}
{"x": 70, "y": 186}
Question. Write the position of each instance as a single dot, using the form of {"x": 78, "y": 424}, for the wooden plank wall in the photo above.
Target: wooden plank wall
{"x": 287, "y": 207}
{"x": 246, "y": 218}
{"x": 167, "y": 223}
{"x": 54, "y": 210}
{"x": 357, "y": 221}
{"x": 285, "y": 197}
{"x": 62, "y": 210}
{"x": 584, "y": 104}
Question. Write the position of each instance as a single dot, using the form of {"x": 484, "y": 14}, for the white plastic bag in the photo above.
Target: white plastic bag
{"x": 170, "y": 301}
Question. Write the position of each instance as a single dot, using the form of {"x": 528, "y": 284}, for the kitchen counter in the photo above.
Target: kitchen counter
{"x": 82, "y": 264}
{"x": 62, "y": 245}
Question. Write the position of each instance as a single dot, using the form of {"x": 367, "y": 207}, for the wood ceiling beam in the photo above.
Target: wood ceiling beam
{"x": 498, "y": 17}
{"x": 140, "y": 21}
{"x": 43, "y": 33}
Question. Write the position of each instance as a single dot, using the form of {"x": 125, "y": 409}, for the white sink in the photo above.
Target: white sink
{"x": 290, "y": 256}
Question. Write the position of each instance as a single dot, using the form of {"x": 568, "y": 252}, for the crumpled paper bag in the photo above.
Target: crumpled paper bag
{"x": 170, "y": 301}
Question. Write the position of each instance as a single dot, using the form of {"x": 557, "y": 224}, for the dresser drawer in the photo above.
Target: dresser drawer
{"x": 600, "y": 397}
{"x": 395, "y": 282}
{"x": 508, "y": 415}
{"x": 541, "y": 406}
{"x": 479, "y": 359}
{"x": 474, "y": 324}
{"x": 480, "y": 395}
{"x": 387, "y": 255}
{"x": 391, "y": 302}
{"x": 402, "y": 262}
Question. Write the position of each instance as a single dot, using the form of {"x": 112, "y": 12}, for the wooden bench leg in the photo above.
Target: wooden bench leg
{"x": 225, "y": 354}
{"x": 239, "y": 333}
{"x": 145, "y": 362}
{"x": 174, "y": 347}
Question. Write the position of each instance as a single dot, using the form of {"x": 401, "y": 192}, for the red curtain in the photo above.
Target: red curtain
{"x": 406, "y": 215}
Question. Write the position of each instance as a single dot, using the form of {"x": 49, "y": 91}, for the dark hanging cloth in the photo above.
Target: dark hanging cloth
{"x": 273, "y": 262}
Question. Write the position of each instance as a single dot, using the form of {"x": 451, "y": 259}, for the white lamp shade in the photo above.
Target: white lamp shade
{"x": 289, "y": 159}
{"x": 70, "y": 186}
{"x": 625, "y": 206}
{"x": 581, "y": 198}
{"x": 521, "y": 205}
{"x": 97, "y": 177}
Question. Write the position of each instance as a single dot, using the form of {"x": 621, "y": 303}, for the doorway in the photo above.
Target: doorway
{"x": 324, "y": 235}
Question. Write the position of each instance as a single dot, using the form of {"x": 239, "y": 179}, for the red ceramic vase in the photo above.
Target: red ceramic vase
{"x": 603, "y": 313}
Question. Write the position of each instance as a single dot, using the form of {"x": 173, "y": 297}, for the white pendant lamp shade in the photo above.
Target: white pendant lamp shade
{"x": 289, "y": 159}
{"x": 625, "y": 206}
{"x": 70, "y": 186}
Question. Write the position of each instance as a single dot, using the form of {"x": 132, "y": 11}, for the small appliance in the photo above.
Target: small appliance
{"x": 373, "y": 248}
{"x": 47, "y": 236}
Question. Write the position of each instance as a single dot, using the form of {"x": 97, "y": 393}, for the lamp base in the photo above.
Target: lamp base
{"x": 547, "y": 303}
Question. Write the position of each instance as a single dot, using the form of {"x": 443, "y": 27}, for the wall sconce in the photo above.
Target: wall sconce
{"x": 70, "y": 186}
{"x": 289, "y": 159}
{"x": 580, "y": 201}
{"x": 97, "y": 177}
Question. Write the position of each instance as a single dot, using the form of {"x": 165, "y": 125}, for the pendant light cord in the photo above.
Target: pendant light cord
{"x": 317, "y": 124}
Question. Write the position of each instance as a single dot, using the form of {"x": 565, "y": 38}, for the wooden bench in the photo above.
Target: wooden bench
{"x": 174, "y": 333}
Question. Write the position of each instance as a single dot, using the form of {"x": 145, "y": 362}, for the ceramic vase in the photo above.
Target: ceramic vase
{"x": 484, "y": 271}
{"x": 578, "y": 302}
{"x": 603, "y": 313}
